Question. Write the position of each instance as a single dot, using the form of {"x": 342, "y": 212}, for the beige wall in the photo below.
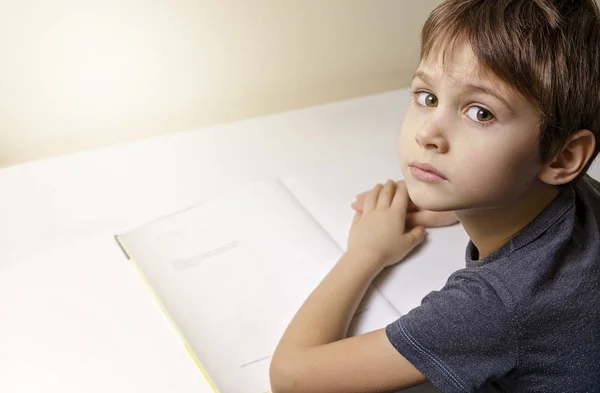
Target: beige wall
{"x": 76, "y": 74}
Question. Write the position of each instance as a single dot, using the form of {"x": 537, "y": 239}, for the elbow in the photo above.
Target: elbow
{"x": 283, "y": 376}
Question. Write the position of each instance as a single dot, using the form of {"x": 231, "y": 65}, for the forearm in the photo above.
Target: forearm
{"x": 313, "y": 354}
{"x": 326, "y": 314}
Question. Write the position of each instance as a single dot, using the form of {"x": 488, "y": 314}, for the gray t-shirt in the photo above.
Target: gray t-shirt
{"x": 524, "y": 319}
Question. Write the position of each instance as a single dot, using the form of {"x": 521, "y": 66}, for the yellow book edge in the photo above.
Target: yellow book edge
{"x": 180, "y": 335}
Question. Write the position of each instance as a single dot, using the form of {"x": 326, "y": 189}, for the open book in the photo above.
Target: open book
{"x": 231, "y": 272}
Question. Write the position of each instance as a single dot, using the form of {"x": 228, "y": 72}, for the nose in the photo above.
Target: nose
{"x": 431, "y": 135}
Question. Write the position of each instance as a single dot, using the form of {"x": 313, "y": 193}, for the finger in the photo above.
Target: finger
{"x": 360, "y": 198}
{"x": 409, "y": 222}
{"x": 415, "y": 237}
{"x": 411, "y": 206}
{"x": 371, "y": 198}
{"x": 356, "y": 218}
{"x": 423, "y": 218}
{"x": 401, "y": 198}
{"x": 386, "y": 194}
{"x": 359, "y": 201}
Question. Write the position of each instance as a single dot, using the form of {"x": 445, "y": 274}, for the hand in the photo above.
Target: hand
{"x": 416, "y": 216}
{"x": 378, "y": 230}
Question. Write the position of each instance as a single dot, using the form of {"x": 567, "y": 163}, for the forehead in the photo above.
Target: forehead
{"x": 459, "y": 66}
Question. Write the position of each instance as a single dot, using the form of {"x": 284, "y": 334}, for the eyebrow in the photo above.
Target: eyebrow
{"x": 482, "y": 89}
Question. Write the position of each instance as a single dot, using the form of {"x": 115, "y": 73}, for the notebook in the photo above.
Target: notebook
{"x": 231, "y": 272}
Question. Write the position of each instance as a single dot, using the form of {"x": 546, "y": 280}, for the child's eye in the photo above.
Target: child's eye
{"x": 426, "y": 99}
{"x": 480, "y": 115}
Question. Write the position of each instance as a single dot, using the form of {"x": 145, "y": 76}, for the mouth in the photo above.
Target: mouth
{"x": 426, "y": 172}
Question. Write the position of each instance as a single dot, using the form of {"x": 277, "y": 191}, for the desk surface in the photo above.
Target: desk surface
{"x": 75, "y": 316}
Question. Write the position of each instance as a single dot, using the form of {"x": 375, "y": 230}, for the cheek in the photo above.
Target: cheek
{"x": 497, "y": 174}
{"x": 406, "y": 140}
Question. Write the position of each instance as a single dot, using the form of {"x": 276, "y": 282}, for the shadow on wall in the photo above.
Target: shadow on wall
{"x": 80, "y": 74}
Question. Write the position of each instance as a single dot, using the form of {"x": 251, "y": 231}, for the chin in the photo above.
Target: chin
{"x": 425, "y": 197}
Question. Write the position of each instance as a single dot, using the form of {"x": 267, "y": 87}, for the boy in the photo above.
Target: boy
{"x": 501, "y": 130}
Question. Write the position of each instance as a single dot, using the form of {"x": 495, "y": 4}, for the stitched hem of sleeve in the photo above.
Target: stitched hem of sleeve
{"x": 436, "y": 371}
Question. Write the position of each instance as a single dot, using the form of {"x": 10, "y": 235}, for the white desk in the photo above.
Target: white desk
{"x": 75, "y": 317}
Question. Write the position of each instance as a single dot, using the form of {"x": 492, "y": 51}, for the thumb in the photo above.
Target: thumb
{"x": 415, "y": 237}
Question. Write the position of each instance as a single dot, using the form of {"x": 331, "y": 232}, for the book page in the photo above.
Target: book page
{"x": 328, "y": 197}
{"x": 232, "y": 273}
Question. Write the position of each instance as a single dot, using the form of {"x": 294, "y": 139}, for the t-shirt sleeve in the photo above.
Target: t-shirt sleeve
{"x": 461, "y": 337}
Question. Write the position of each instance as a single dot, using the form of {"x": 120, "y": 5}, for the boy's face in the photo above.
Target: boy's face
{"x": 480, "y": 134}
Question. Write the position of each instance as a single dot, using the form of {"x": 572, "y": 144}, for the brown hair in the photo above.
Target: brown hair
{"x": 549, "y": 50}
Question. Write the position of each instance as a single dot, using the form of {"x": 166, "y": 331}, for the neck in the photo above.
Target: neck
{"x": 490, "y": 229}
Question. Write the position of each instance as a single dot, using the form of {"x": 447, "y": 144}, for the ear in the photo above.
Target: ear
{"x": 573, "y": 158}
